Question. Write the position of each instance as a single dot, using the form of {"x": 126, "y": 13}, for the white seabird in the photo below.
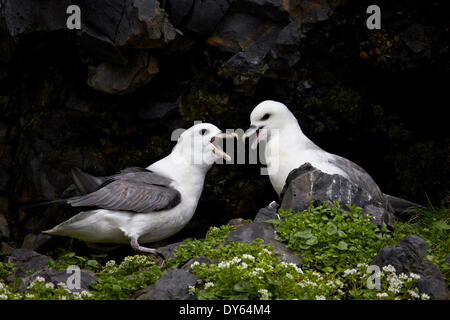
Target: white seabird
{"x": 145, "y": 205}
{"x": 287, "y": 148}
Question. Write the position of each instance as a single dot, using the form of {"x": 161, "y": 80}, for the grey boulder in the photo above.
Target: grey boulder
{"x": 409, "y": 256}
{"x": 308, "y": 183}
{"x": 173, "y": 285}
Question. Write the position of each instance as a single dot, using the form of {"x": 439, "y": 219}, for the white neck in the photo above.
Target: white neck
{"x": 188, "y": 178}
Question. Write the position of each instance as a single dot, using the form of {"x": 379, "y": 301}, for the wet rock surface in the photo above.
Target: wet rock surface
{"x": 307, "y": 183}
{"x": 56, "y": 277}
{"x": 260, "y": 229}
{"x": 409, "y": 256}
{"x": 173, "y": 285}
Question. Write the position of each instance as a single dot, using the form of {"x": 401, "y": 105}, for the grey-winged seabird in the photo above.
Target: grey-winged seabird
{"x": 145, "y": 204}
{"x": 288, "y": 148}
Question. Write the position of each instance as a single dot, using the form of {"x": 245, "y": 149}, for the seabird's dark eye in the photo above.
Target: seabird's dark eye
{"x": 203, "y": 132}
{"x": 266, "y": 116}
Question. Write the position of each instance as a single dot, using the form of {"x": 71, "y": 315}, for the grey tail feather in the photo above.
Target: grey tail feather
{"x": 85, "y": 182}
{"x": 400, "y": 205}
{"x": 44, "y": 204}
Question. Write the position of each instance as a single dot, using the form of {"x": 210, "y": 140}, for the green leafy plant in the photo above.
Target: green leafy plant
{"x": 330, "y": 238}
{"x": 121, "y": 281}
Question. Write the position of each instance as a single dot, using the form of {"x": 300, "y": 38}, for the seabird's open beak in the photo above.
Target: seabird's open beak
{"x": 217, "y": 149}
{"x": 252, "y": 130}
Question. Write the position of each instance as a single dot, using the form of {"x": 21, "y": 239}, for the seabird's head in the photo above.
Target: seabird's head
{"x": 201, "y": 144}
{"x": 266, "y": 116}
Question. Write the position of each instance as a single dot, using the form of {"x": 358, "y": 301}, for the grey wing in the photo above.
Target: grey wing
{"x": 125, "y": 195}
{"x": 358, "y": 176}
{"x": 85, "y": 182}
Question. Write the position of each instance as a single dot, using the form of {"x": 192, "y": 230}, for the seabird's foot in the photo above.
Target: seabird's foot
{"x": 135, "y": 245}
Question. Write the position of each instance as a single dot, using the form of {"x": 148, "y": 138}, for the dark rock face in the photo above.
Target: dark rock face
{"x": 173, "y": 285}
{"x": 206, "y": 14}
{"x": 4, "y": 229}
{"x": 27, "y": 16}
{"x": 26, "y": 261}
{"x": 260, "y": 229}
{"x": 167, "y": 251}
{"x": 409, "y": 256}
{"x": 117, "y": 79}
{"x": 308, "y": 183}
{"x": 60, "y": 276}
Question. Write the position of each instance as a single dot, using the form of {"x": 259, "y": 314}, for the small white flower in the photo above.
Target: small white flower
{"x": 63, "y": 298}
{"x": 49, "y": 285}
{"x": 321, "y": 298}
{"x": 235, "y": 260}
{"x": 389, "y": 268}
{"x": 382, "y": 295}
{"x": 413, "y": 294}
{"x": 224, "y": 264}
{"x": 289, "y": 276}
{"x": 264, "y": 294}
{"x": 362, "y": 264}
{"x": 194, "y": 264}
{"x": 110, "y": 263}
{"x": 403, "y": 276}
{"x": 85, "y": 293}
{"x": 243, "y": 266}
{"x": 424, "y": 296}
{"x": 349, "y": 272}
{"x": 414, "y": 276}
{"x": 248, "y": 257}
{"x": 3, "y": 297}
{"x": 29, "y": 296}
{"x": 319, "y": 275}
{"x": 61, "y": 284}
{"x": 192, "y": 289}
{"x": 293, "y": 265}
{"x": 39, "y": 279}
{"x": 209, "y": 285}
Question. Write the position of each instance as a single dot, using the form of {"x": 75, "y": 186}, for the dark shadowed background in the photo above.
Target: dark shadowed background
{"x": 108, "y": 96}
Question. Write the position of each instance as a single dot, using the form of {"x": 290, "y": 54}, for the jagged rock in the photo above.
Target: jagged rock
{"x": 26, "y": 261}
{"x": 266, "y": 231}
{"x": 34, "y": 242}
{"x": 26, "y": 16}
{"x": 276, "y": 10}
{"x": 157, "y": 110}
{"x": 312, "y": 11}
{"x": 5, "y": 162}
{"x": 7, "y": 248}
{"x": 122, "y": 79}
{"x": 179, "y": 10}
{"x": 247, "y": 67}
{"x": 4, "y": 229}
{"x": 167, "y": 251}
{"x": 286, "y": 51}
{"x": 308, "y": 183}
{"x": 61, "y": 276}
{"x": 132, "y": 23}
{"x": 173, "y": 285}
{"x": 268, "y": 213}
{"x": 409, "y": 256}
{"x": 201, "y": 259}
{"x": 236, "y": 222}
{"x": 206, "y": 14}
{"x": 401, "y": 205}
{"x": 95, "y": 44}
{"x": 415, "y": 38}
{"x": 238, "y": 32}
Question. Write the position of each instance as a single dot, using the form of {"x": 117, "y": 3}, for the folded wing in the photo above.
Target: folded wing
{"x": 134, "y": 189}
